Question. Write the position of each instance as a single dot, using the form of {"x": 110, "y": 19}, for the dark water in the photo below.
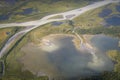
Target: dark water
{"x": 63, "y": 61}
{"x": 118, "y": 8}
{"x": 72, "y": 63}
{"x": 105, "y": 43}
{"x": 105, "y": 12}
{"x": 69, "y": 62}
{"x": 8, "y": 33}
{"x": 4, "y": 17}
{"x": 113, "y": 20}
{"x": 92, "y": 1}
{"x": 56, "y": 23}
{"x": 27, "y": 11}
{"x": 11, "y": 1}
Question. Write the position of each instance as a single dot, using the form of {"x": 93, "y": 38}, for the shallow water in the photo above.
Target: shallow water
{"x": 113, "y": 20}
{"x": 118, "y": 8}
{"x": 105, "y": 43}
{"x": 69, "y": 61}
{"x": 105, "y": 12}
{"x": 66, "y": 61}
{"x": 56, "y": 23}
{"x": 73, "y": 63}
{"x": 4, "y": 17}
{"x": 27, "y": 11}
{"x": 11, "y": 1}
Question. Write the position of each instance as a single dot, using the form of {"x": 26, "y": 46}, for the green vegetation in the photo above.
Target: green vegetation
{"x": 13, "y": 69}
{"x": 91, "y": 23}
{"x": 114, "y": 75}
{"x": 115, "y": 56}
{"x": 40, "y": 8}
{"x": 6, "y": 33}
{"x": 49, "y": 7}
{"x": 91, "y": 18}
{"x": 49, "y": 29}
{"x": 88, "y": 20}
{"x": 3, "y": 35}
{"x": 6, "y": 8}
{"x": 113, "y": 31}
{"x": 88, "y": 23}
{"x": 1, "y": 68}
{"x": 15, "y": 72}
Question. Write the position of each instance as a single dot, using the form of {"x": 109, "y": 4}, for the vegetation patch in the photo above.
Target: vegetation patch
{"x": 6, "y": 33}
{"x": 14, "y": 55}
{"x": 39, "y": 9}
{"x": 91, "y": 19}
{"x": 88, "y": 23}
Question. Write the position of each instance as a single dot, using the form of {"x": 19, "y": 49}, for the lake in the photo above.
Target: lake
{"x": 61, "y": 59}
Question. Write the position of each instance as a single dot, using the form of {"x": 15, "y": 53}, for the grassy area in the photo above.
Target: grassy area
{"x": 49, "y": 29}
{"x": 91, "y": 23}
{"x": 91, "y": 18}
{"x": 5, "y": 34}
{"x": 15, "y": 72}
{"x": 41, "y": 8}
{"x": 88, "y": 23}
{"x": 112, "y": 31}
{"x": 115, "y": 56}
{"x": 8, "y": 8}
{"x": 50, "y": 6}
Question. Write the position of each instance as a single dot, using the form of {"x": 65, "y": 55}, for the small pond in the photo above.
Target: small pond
{"x": 11, "y": 1}
{"x": 105, "y": 43}
{"x": 113, "y": 20}
{"x": 65, "y": 61}
{"x": 56, "y": 23}
{"x": 27, "y": 11}
{"x": 4, "y": 17}
{"x": 105, "y": 12}
{"x": 118, "y": 8}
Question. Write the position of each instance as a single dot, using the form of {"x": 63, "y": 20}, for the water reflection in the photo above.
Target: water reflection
{"x": 73, "y": 63}
{"x": 67, "y": 61}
